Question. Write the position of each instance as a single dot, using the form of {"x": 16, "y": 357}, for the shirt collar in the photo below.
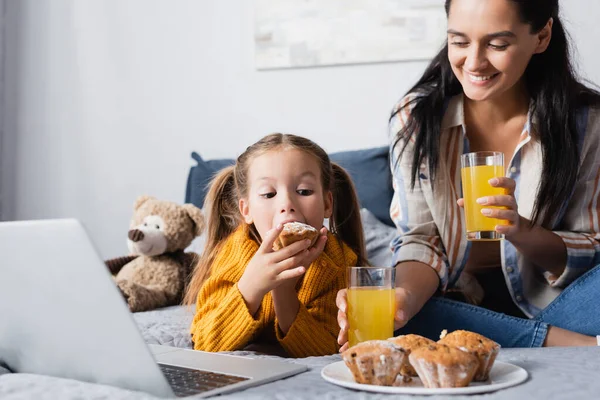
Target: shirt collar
{"x": 455, "y": 116}
{"x": 455, "y": 113}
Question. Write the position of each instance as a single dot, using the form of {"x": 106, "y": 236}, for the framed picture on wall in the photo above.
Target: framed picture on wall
{"x": 310, "y": 33}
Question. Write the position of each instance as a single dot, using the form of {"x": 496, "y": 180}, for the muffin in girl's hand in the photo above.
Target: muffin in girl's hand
{"x": 293, "y": 232}
{"x": 442, "y": 366}
{"x": 478, "y": 345}
{"x": 375, "y": 362}
{"x": 410, "y": 343}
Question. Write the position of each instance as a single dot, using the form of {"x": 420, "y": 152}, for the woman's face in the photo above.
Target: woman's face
{"x": 489, "y": 47}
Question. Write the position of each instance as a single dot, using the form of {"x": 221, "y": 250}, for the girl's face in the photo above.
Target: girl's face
{"x": 284, "y": 185}
{"x": 489, "y": 47}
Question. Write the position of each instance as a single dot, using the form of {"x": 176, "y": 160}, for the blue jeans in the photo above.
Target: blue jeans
{"x": 577, "y": 309}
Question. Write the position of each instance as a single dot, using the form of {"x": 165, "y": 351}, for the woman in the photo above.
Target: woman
{"x": 503, "y": 82}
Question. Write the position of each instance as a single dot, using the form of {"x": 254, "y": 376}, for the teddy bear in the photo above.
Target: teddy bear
{"x": 156, "y": 273}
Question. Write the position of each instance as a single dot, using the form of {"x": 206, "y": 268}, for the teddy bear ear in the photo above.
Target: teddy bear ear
{"x": 141, "y": 200}
{"x": 197, "y": 216}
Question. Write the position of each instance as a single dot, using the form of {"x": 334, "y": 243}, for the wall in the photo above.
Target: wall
{"x": 3, "y": 212}
{"x": 105, "y": 101}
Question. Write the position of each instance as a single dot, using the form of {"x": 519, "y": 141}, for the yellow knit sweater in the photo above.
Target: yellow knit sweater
{"x": 223, "y": 321}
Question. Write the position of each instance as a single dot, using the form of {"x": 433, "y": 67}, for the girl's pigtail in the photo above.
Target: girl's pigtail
{"x": 222, "y": 213}
{"x": 345, "y": 221}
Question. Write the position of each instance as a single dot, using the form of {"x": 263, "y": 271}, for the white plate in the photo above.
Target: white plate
{"x": 502, "y": 375}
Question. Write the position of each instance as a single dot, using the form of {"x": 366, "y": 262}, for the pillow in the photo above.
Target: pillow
{"x": 200, "y": 176}
{"x": 369, "y": 169}
{"x": 378, "y": 237}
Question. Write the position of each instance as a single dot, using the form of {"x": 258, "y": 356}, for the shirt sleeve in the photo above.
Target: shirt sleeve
{"x": 581, "y": 223}
{"x": 418, "y": 238}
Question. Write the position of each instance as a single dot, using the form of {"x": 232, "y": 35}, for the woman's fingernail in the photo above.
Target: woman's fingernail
{"x": 482, "y": 200}
{"x": 400, "y": 315}
{"x": 494, "y": 181}
{"x": 502, "y": 228}
{"x": 486, "y": 211}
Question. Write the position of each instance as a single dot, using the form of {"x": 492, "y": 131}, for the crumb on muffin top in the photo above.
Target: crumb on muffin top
{"x": 470, "y": 341}
{"x": 442, "y": 354}
{"x": 410, "y": 341}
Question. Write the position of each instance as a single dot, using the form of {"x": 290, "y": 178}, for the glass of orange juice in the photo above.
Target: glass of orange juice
{"x": 477, "y": 169}
{"x": 371, "y": 303}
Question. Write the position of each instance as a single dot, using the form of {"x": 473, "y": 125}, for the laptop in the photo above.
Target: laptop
{"x": 62, "y": 315}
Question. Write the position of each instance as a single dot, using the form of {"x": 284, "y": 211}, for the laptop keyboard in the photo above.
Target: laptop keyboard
{"x": 188, "y": 381}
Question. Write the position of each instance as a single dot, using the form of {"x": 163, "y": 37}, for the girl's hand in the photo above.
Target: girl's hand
{"x": 510, "y": 213}
{"x": 268, "y": 268}
{"x": 404, "y": 312}
{"x": 311, "y": 255}
{"x": 285, "y": 298}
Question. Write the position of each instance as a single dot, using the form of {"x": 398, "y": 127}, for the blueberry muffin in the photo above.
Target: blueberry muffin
{"x": 410, "y": 343}
{"x": 293, "y": 232}
{"x": 375, "y": 362}
{"x": 442, "y": 366}
{"x": 481, "y": 347}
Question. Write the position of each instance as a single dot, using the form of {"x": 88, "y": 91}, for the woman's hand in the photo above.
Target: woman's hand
{"x": 404, "y": 312}
{"x": 268, "y": 269}
{"x": 509, "y": 213}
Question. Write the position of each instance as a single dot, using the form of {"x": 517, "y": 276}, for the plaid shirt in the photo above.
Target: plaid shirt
{"x": 431, "y": 226}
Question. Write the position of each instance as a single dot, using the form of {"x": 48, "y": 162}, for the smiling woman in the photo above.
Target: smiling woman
{"x": 503, "y": 82}
{"x": 489, "y": 55}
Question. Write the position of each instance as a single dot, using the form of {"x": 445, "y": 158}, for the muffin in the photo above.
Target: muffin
{"x": 293, "y": 232}
{"x": 410, "y": 343}
{"x": 481, "y": 347}
{"x": 442, "y": 366}
{"x": 375, "y": 362}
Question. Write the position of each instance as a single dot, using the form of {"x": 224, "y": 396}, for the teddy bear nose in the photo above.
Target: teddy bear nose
{"x": 135, "y": 235}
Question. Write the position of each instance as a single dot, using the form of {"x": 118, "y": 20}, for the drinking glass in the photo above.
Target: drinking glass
{"x": 476, "y": 170}
{"x": 371, "y": 303}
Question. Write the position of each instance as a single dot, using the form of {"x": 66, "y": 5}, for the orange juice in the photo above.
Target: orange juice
{"x": 370, "y": 314}
{"x": 475, "y": 185}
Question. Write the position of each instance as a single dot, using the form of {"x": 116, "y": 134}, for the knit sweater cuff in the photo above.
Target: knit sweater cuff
{"x": 306, "y": 337}
{"x": 231, "y": 329}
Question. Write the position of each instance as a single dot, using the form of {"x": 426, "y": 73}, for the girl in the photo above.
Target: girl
{"x": 247, "y": 293}
{"x": 503, "y": 82}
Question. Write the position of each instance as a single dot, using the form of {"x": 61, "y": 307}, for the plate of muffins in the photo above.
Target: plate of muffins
{"x": 461, "y": 362}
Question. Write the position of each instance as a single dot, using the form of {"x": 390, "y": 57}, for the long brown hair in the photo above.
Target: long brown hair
{"x": 557, "y": 94}
{"x": 231, "y": 184}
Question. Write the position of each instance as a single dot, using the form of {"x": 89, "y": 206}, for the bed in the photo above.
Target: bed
{"x": 557, "y": 373}
{"x": 554, "y": 373}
